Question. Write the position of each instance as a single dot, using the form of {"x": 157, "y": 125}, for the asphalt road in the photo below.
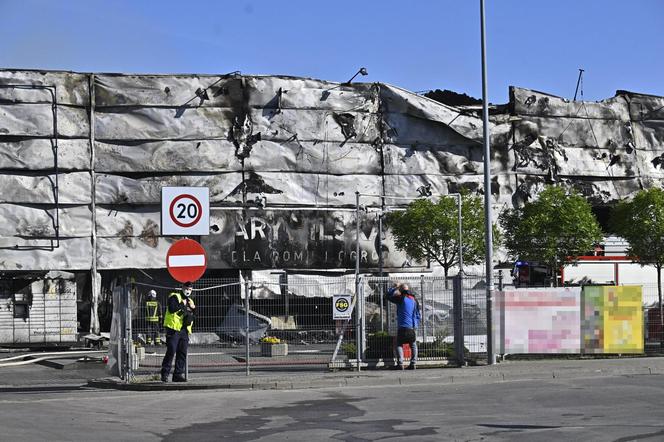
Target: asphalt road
{"x": 605, "y": 408}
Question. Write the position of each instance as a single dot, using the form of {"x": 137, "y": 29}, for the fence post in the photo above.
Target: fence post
{"x": 358, "y": 323}
{"x": 129, "y": 340}
{"x": 363, "y": 318}
{"x": 120, "y": 342}
{"x": 424, "y": 305}
{"x": 382, "y": 305}
{"x": 246, "y": 323}
{"x": 457, "y": 308}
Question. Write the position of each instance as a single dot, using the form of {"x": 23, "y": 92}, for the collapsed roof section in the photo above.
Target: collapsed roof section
{"x": 83, "y": 158}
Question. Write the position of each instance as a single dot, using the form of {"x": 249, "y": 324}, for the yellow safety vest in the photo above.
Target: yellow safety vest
{"x": 174, "y": 321}
{"x": 152, "y": 311}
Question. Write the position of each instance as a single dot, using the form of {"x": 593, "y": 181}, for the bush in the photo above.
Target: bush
{"x": 350, "y": 349}
{"x": 436, "y": 349}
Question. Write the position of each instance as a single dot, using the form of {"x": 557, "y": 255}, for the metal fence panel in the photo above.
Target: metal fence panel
{"x": 297, "y": 310}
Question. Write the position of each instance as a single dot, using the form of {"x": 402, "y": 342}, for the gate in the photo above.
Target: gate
{"x": 286, "y": 321}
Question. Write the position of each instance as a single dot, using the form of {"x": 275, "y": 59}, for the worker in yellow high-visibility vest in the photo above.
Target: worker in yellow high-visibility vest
{"x": 178, "y": 322}
{"x": 152, "y": 319}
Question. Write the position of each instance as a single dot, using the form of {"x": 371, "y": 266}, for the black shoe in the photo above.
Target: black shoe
{"x": 396, "y": 367}
{"x": 164, "y": 378}
{"x": 179, "y": 379}
{"x": 411, "y": 367}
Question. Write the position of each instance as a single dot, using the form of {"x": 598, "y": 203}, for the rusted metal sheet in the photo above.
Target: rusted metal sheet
{"x": 120, "y": 190}
{"x": 161, "y": 90}
{"x": 526, "y": 102}
{"x": 40, "y": 221}
{"x": 167, "y": 156}
{"x": 42, "y": 254}
{"x": 296, "y": 144}
{"x": 132, "y": 252}
{"x": 221, "y": 156}
{"x": 146, "y": 123}
{"x": 39, "y": 154}
{"x": 36, "y": 86}
{"x": 39, "y": 120}
{"x": 264, "y": 92}
{"x": 273, "y": 93}
{"x": 311, "y": 189}
{"x": 314, "y": 157}
{"x": 400, "y": 101}
{"x": 597, "y": 148}
{"x": 406, "y": 159}
{"x": 74, "y": 188}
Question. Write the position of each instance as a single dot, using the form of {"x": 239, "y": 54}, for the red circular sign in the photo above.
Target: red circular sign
{"x": 185, "y": 210}
{"x": 186, "y": 260}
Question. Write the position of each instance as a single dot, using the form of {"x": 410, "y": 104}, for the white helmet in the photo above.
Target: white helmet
{"x": 152, "y": 294}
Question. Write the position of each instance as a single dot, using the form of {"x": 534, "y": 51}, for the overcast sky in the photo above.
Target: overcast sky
{"x": 417, "y": 45}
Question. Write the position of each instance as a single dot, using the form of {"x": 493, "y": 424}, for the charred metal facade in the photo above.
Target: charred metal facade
{"x": 83, "y": 158}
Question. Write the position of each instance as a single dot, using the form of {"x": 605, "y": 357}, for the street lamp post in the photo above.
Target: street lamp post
{"x": 491, "y": 357}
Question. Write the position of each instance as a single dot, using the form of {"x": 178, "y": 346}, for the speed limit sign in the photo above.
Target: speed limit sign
{"x": 185, "y": 211}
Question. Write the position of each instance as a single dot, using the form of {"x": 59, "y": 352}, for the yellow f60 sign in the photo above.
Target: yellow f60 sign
{"x": 342, "y": 307}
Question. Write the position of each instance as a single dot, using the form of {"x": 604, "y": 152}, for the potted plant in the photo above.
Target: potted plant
{"x": 273, "y": 346}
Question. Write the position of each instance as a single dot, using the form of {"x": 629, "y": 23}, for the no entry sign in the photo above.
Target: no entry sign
{"x": 186, "y": 260}
{"x": 185, "y": 211}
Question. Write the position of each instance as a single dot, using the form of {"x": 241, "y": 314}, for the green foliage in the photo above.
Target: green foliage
{"x": 349, "y": 349}
{"x": 641, "y": 223}
{"x": 437, "y": 349}
{"x": 428, "y": 231}
{"x": 558, "y": 225}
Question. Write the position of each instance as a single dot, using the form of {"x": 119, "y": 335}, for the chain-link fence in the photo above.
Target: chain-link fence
{"x": 287, "y": 321}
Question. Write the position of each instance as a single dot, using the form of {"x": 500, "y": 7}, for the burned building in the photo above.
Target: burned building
{"x": 83, "y": 158}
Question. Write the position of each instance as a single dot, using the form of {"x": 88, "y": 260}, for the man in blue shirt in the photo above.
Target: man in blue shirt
{"x": 408, "y": 319}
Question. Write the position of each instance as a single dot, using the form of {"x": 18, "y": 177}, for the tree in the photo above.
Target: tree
{"x": 428, "y": 230}
{"x": 641, "y": 223}
{"x": 559, "y": 225}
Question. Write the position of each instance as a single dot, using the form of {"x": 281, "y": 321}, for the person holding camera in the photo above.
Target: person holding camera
{"x": 178, "y": 323}
{"x": 408, "y": 319}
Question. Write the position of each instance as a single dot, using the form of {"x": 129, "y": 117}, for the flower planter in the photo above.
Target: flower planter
{"x": 270, "y": 350}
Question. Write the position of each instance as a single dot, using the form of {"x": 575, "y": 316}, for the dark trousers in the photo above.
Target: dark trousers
{"x": 177, "y": 343}
{"x": 152, "y": 336}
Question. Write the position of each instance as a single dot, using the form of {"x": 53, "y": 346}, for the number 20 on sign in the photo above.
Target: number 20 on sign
{"x": 185, "y": 211}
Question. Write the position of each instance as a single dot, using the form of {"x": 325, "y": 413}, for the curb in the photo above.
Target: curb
{"x": 463, "y": 376}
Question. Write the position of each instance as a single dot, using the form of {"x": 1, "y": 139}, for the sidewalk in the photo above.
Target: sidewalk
{"x": 502, "y": 372}
{"x": 93, "y": 375}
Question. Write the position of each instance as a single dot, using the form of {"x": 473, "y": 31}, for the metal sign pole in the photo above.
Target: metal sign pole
{"x": 491, "y": 357}
{"x": 129, "y": 339}
{"x": 246, "y": 325}
{"x": 457, "y": 308}
{"x": 358, "y": 337}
